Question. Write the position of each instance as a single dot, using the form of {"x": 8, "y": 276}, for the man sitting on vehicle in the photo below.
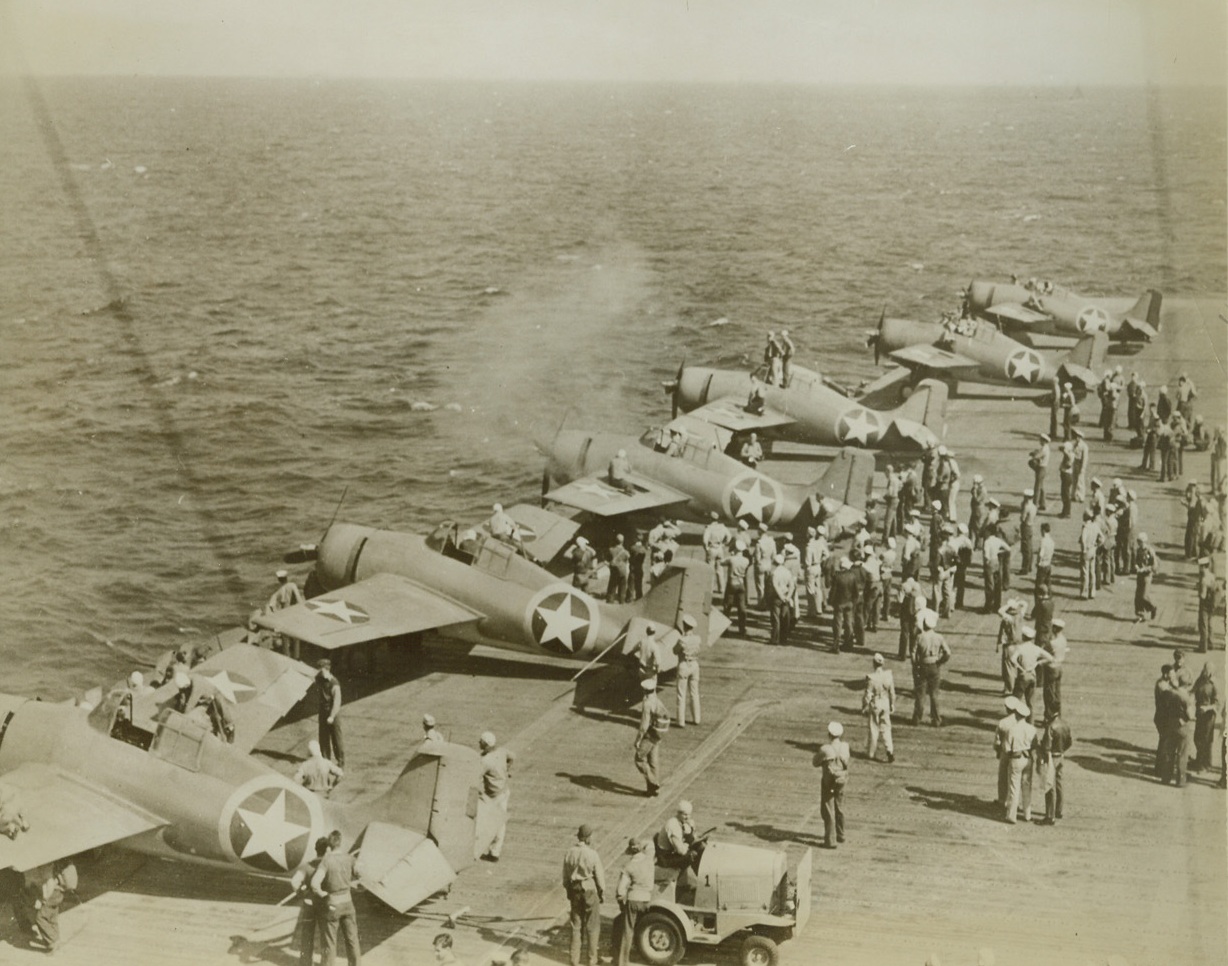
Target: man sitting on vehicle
{"x": 675, "y": 840}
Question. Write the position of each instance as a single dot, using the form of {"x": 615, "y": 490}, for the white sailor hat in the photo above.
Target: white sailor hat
{"x": 937, "y": 504}
{"x": 1204, "y": 561}
{"x": 1016, "y": 705}
{"x": 1029, "y": 492}
{"x": 929, "y": 619}
{"x": 1058, "y": 623}
{"x": 942, "y": 450}
{"x": 835, "y": 729}
{"x": 845, "y": 563}
{"x": 878, "y": 659}
{"x": 977, "y": 478}
{"x": 779, "y": 558}
{"x": 282, "y": 574}
{"x": 1046, "y": 438}
{"x": 688, "y": 620}
{"x": 1029, "y": 633}
{"x": 428, "y": 721}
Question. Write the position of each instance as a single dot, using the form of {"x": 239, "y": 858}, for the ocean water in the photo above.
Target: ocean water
{"x": 220, "y": 300}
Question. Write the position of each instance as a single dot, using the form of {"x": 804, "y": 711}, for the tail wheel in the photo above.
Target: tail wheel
{"x": 659, "y": 939}
{"x": 759, "y": 951}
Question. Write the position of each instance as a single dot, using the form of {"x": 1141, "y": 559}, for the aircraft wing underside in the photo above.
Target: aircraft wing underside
{"x": 934, "y": 359}
{"x": 66, "y": 816}
{"x": 731, "y": 414}
{"x": 385, "y": 605}
{"x": 595, "y": 495}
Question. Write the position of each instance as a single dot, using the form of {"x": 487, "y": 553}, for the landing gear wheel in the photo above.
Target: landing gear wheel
{"x": 759, "y": 951}
{"x": 659, "y": 939}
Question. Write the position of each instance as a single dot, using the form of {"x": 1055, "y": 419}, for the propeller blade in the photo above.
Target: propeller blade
{"x": 545, "y": 484}
{"x": 878, "y": 339}
{"x": 677, "y": 386}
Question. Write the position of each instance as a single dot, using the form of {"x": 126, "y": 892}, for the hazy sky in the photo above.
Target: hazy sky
{"x": 798, "y": 41}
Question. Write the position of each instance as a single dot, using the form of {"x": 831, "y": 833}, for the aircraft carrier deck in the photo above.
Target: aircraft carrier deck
{"x": 1136, "y": 870}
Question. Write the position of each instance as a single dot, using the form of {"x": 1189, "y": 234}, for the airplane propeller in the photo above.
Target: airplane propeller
{"x": 671, "y": 388}
{"x": 545, "y": 484}
{"x": 876, "y": 337}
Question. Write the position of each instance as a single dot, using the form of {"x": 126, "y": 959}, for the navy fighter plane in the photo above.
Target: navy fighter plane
{"x": 373, "y": 584}
{"x": 700, "y": 479}
{"x": 810, "y": 409}
{"x": 138, "y": 772}
{"x": 976, "y": 351}
{"x": 1046, "y": 309}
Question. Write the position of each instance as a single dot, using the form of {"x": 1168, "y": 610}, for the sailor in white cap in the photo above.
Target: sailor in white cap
{"x": 619, "y": 471}
{"x": 833, "y": 758}
{"x": 286, "y": 595}
{"x": 1070, "y": 410}
{"x": 783, "y": 594}
{"x": 687, "y": 650}
{"x": 765, "y": 552}
{"x": 716, "y": 549}
{"x": 814, "y": 557}
{"x": 1208, "y": 603}
{"x": 878, "y": 704}
{"x": 654, "y": 722}
{"x": 1026, "y": 659}
{"x": 1082, "y": 467}
{"x": 737, "y": 584}
{"x": 930, "y": 652}
{"x": 317, "y": 773}
{"x": 1014, "y": 740}
{"x": 845, "y": 600}
{"x": 584, "y": 564}
{"x": 1027, "y": 530}
{"x": 1051, "y": 678}
{"x": 1038, "y": 461}
{"x": 1145, "y": 563}
{"x": 432, "y": 737}
{"x": 496, "y": 787}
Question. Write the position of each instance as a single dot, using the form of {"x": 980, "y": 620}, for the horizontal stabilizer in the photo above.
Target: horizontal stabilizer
{"x": 910, "y": 435}
{"x": 1140, "y": 327}
{"x": 1079, "y": 375}
{"x": 401, "y": 867}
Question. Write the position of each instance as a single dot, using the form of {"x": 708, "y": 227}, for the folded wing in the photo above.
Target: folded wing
{"x": 931, "y": 358}
{"x": 731, "y": 414}
{"x": 66, "y": 816}
{"x": 594, "y": 495}
{"x": 385, "y": 605}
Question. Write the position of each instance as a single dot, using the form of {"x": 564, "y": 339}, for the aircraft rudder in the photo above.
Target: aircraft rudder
{"x": 927, "y": 406}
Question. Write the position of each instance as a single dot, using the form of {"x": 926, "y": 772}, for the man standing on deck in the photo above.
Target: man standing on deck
{"x": 634, "y": 892}
{"x": 1145, "y": 562}
{"x": 1066, "y": 474}
{"x": 1055, "y": 740}
{"x": 619, "y": 471}
{"x": 286, "y": 595}
{"x": 878, "y": 704}
{"x": 1208, "y": 603}
{"x": 1027, "y": 530}
{"x": 317, "y": 773}
{"x": 584, "y": 883}
{"x": 736, "y": 586}
{"x": 991, "y": 570}
{"x": 687, "y": 650}
{"x": 328, "y": 703}
{"x": 1014, "y": 741}
{"x": 845, "y": 599}
{"x": 716, "y": 549}
{"x": 930, "y": 653}
{"x": 833, "y": 757}
{"x": 1044, "y": 557}
{"x": 1089, "y": 540}
{"x": 1082, "y": 457}
{"x": 331, "y": 884}
{"x": 654, "y": 721}
{"x": 496, "y": 786}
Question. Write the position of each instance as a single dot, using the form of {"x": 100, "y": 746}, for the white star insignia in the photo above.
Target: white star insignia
{"x": 561, "y": 622}
{"x": 858, "y": 424}
{"x": 227, "y": 686}
{"x": 338, "y": 610}
{"x": 751, "y": 500}
{"x": 1092, "y": 319}
{"x": 1023, "y": 365}
{"x": 597, "y": 488}
{"x": 270, "y": 832}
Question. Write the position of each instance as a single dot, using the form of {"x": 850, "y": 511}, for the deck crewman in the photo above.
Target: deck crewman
{"x": 286, "y": 595}
{"x": 584, "y": 883}
{"x": 716, "y": 549}
{"x": 833, "y": 758}
{"x": 496, "y": 786}
{"x": 331, "y": 882}
{"x": 317, "y": 773}
{"x": 654, "y": 722}
{"x": 1014, "y": 740}
{"x": 619, "y": 471}
{"x": 634, "y": 892}
{"x": 878, "y": 704}
{"x": 737, "y": 585}
{"x": 687, "y": 649}
{"x": 1051, "y": 747}
{"x": 432, "y": 738}
{"x": 328, "y": 708}
{"x": 930, "y": 653}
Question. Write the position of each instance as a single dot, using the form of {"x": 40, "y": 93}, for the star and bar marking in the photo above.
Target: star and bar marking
{"x": 269, "y": 827}
{"x": 562, "y": 620}
{"x": 338, "y": 610}
{"x": 750, "y": 495}
{"x": 1024, "y": 365}
{"x": 859, "y": 425}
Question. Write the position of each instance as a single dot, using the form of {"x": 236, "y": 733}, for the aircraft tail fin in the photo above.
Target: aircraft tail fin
{"x": 685, "y": 588}
{"x": 1144, "y": 317}
{"x": 927, "y": 406}
{"x": 430, "y": 825}
{"x": 1090, "y": 351}
{"x": 838, "y": 497}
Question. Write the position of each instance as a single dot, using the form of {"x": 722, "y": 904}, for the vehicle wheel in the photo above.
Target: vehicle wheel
{"x": 760, "y": 951}
{"x": 659, "y": 939}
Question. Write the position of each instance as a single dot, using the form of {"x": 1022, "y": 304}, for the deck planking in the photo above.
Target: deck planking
{"x": 1136, "y": 870}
